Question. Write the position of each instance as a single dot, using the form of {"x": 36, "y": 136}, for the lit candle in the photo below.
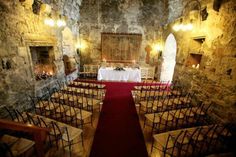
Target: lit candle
{"x": 197, "y": 66}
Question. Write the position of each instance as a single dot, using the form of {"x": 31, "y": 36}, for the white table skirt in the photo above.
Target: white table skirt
{"x": 110, "y": 74}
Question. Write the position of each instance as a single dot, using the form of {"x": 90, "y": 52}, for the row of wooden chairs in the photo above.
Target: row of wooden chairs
{"x": 89, "y": 100}
{"x": 170, "y": 112}
{"x": 68, "y": 112}
{"x": 191, "y": 142}
{"x": 60, "y": 135}
{"x": 78, "y": 83}
{"x": 159, "y": 104}
{"x": 178, "y": 118}
{"x": 73, "y": 105}
{"x": 144, "y": 94}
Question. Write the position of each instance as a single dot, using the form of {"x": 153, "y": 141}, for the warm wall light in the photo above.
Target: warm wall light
{"x": 194, "y": 11}
{"x": 157, "y": 47}
{"x": 183, "y": 27}
{"x": 81, "y": 45}
{"x": 61, "y": 23}
{"x": 50, "y": 22}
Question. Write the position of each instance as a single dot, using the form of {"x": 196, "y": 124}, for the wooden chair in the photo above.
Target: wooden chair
{"x": 72, "y": 136}
{"x": 79, "y": 117}
{"x": 15, "y": 146}
{"x": 37, "y": 134}
{"x": 161, "y": 121}
{"x": 165, "y": 145}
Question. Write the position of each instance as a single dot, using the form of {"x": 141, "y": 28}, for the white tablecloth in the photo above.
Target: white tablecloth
{"x": 129, "y": 74}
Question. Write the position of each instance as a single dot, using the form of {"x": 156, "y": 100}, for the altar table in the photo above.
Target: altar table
{"x": 128, "y": 74}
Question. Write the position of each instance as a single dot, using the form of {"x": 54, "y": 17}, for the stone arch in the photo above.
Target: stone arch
{"x": 169, "y": 56}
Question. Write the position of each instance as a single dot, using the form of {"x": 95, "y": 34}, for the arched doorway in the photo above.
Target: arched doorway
{"x": 169, "y": 55}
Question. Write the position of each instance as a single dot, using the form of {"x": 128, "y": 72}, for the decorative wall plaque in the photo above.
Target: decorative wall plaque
{"x": 121, "y": 47}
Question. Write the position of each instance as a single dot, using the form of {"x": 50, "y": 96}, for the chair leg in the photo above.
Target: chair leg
{"x": 152, "y": 145}
{"x": 144, "y": 122}
{"x": 70, "y": 148}
{"x": 82, "y": 139}
{"x": 91, "y": 120}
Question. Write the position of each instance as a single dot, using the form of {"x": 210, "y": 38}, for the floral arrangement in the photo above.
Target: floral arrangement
{"x": 119, "y": 69}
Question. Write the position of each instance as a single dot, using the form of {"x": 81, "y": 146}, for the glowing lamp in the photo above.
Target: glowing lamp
{"x": 61, "y": 23}
{"x": 50, "y": 22}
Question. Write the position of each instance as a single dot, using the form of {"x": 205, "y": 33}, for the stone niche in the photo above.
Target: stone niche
{"x": 70, "y": 64}
{"x": 194, "y": 60}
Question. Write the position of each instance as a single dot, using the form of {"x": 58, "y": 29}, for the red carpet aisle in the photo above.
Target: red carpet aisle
{"x": 118, "y": 132}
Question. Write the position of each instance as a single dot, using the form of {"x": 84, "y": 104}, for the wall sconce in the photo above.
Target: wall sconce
{"x": 49, "y": 21}
{"x": 193, "y": 9}
{"x": 158, "y": 48}
{"x": 81, "y": 46}
{"x": 61, "y": 22}
{"x": 183, "y": 27}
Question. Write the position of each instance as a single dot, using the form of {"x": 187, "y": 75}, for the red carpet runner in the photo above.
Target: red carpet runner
{"x": 118, "y": 132}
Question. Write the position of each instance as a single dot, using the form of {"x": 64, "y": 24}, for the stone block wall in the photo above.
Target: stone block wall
{"x": 215, "y": 40}
{"x": 20, "y": 28}
{"x": 144, "y": 17}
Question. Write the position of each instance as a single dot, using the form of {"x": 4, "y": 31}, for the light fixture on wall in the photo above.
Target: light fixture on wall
{"x": 61, "y": 21}
{"x": 49, "y": 21}
{"x": 80, "y": 46}
{"x": 192, "y": 10}
{"x": 158, "y": 48}
{"x": 183, "y": 26}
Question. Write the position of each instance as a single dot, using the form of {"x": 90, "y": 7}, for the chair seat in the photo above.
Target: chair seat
{"x": 81, "y": 100}
{"x": 141, "y": 94}
{"x": 185, "y": 99}
{"x": 73, "y": 133}
{"x": 188, "y": 112}
{"x": 161, "y": 140}
{"x": 176, "y": 101}
{"x": 62, "y": 109}
{"x": 17, "y": 145}
{"x": 56, "y": 95}
{"x": 168, "y": 102}
{"x": 41, "y": 104}
{"x": 150, "y": 117}
{"x": 198, "y": 111}
{"x": 52, "y": 106}
{"x": 93, "y": 102}
{"x": 177, "y": 114}
{"x": 76, "y": 112}
{"x": 151, "y": 104}
{"x": 167, "y": 93}
{"x": 166, "y": 116}
{"x": 176, "y": 92}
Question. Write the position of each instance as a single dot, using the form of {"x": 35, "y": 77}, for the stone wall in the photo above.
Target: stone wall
{"x": 144, "y": 17}
{"x": 20, "y": 28}
{"x": 214, "y": 39}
